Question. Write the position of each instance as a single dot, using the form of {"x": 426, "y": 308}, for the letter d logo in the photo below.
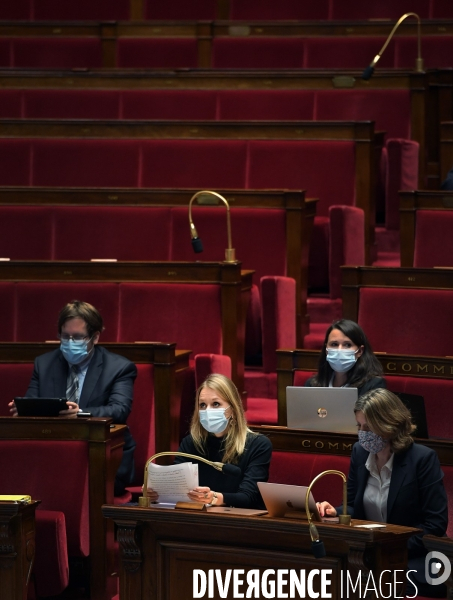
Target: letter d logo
{"x": 434, "y": 562}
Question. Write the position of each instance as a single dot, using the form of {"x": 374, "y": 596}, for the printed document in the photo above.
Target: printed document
{"x": 173, "y": 483}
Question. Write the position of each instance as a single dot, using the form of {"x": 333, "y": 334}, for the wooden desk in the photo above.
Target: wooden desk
{"x": 160, "y": 548}
{"x": 105, "y": 442}
{"x": 17, "y": 548}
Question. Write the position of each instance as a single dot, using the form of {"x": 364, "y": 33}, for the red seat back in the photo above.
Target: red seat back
{"x": 15, "y": 378}
{"x": 433, "y": 238}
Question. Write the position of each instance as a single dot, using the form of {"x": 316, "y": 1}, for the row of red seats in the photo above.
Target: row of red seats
{"x": 227, "y": 52}
{"x": 320, "y": 105}
{"x": 236, "y": 9}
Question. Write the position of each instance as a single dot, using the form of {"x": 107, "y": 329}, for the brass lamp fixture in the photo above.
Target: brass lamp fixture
{"x": 230, "y": 255}
{"x": 226, "y": 468}
{"x": 368, "y": 72}
{"x": 317, "y": 545}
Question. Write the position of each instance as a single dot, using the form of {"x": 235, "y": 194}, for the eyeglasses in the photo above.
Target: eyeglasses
{"x": 77, "y": 337}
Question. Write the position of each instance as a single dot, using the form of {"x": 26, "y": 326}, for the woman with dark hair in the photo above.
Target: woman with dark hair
{"x": 347, "y": 360}
{"x": 393, "y": 480}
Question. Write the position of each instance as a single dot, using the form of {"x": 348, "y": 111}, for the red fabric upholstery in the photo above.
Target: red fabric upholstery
{"x": 257, "y": 52}
{"x": 402, "y": 174}
{"x": 168, "y": 104}
{"x": 63, "y": 53}
{"x": 36, "y": 305}
{"x": 141, "y": 419}
{"x": 36, "y": 233}
{"x": 344, "y": 52}
{"x": 253, "y": 341}
{"x": 261, "y": 411}
{"x": 300, "y": 164}
{"x": 269, "y": 10}
{"x": 194, "y": 10}
{"x": 266, "y": 104}
{"x": 84, "y": 163}
{"x": 318, "y": 257}
{"x": 441, "y": 9}
{"x": 10, "y": 100}
{"x": 20, "y": 10}
{"x": 153, "y": 53}
{"x": 71, "y": 104}
{"x": 383, "y": 9}
{"x": 259, "y": 386}
{"x": 436, "y": 51}
{"x": 202, "y": 164}
{"x": 206, "y": 364}
{"x": 51, "y": 566}
{"x": 15, "y": 159}
{"x": 15, "y": 379}
{"x": 421, "y": 318}
{"x": 31, "y": 467}
{"x": 278, "y": 317}
{"x": 188, "y": 314}
{"x": 367, "y": 105}
{"x": 8, "y": 307}
{"x": 101, "y": 10}
{"x": 347, "y": 243}
{"x": 433, "y": 238}
{"x": 124, "y": 233}
{"x": 437, "y": 393}
{"x": 300, "y": 377}
{"x": 300, "y": 469}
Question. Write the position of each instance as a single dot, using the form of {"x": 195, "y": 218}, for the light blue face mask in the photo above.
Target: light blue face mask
{"x": 213, "y": 419}
{"x": 341, "y": 360}
{"x": 75, "y": 351}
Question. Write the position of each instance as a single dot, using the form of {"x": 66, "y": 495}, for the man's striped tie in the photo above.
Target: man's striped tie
{"x": 72, "y": 385}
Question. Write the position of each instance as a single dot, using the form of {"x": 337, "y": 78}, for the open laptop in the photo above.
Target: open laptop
{"x": 321, "y": 408}
{"x": 39, "y": 407}
{"x": 281, "y": 499}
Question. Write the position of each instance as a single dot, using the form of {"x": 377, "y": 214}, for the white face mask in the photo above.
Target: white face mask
{"x": 213, "y": 419}
{"x": 341, "y": 360}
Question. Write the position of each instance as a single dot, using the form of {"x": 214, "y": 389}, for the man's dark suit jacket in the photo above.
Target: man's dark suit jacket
{"x": 417, "y": 496}
{"x": 107, "y": 392}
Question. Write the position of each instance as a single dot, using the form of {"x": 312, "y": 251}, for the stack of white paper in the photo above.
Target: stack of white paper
{"x": 173, "y": 483}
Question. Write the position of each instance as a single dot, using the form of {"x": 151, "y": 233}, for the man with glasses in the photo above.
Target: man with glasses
{"x": 91, "y": 378}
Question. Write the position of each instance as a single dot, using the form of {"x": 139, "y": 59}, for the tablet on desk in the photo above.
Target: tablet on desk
{"x": 40, "y": 407}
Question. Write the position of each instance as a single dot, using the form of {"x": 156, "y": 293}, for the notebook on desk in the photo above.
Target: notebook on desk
{"x": 321, "y": 409}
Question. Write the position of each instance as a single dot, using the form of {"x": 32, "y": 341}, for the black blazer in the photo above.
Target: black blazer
{"x": 107, "y": 392}
{"x": 417, "y": 496}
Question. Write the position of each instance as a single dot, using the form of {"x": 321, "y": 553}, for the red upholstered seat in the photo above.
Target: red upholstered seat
{"x": 194, "y": 164}
{"x": 257, "y": 52}
{"x": 36, "y": 305}
{"x": 194, "y": 10}
{"x": 71, "y": 104}
{"x": 266, "y": 104}
{"x": 402, "y": 174}
{"x": 15, "y": 158}
{"x": 436, "y": 51}
{"x": 169, "y": 104}
{"x": 269, "y": 10}
{"x": 63, "y": 53}
{"x": 433, "y": 238}
{"x": 10, "y": 100}
{"x": 188, "y": 314}
{"x": 441, "y": 9}
{"x": 419, "y": 316}
{"x": 101, "y": 10}
{"x": 7, "y": 307}
{"x": 83, "y": 163}
{"x": 20, "y": 10}
{"x": 40, "y": 468}
{"x": 384, "y": 9}
{"x": 34, "y": 239}
{"x": 152, "y": 53}
{"x": 345, "y": 53}
{"x": 205, "y": 364}
{"x": 125, "y": 233}
{"x": 15, "y": 378}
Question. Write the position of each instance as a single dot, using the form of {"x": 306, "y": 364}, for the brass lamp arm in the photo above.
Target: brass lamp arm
{"x": 344, "y": 518}
{"x": 419, "y": 61}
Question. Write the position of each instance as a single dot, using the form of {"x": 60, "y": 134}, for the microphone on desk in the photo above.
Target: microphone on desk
{"x": 317, "y": 546}
{"x": 368, "y": 72}
{"x": 197, "y": 244}
{"x": 225, "y": 468}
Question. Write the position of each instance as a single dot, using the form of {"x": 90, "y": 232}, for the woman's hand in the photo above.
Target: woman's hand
{"x": 326, "y": 510}
{"x": 206, "y": 495}
{"x": 12, "y": 408}
{"x": 152, "y": 494}
{"x": 71, "y": 411}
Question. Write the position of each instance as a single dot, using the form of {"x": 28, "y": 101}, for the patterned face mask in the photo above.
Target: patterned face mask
{"x": 371, "y": 442}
